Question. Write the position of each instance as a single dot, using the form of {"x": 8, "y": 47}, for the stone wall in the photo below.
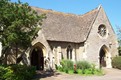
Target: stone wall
{"x": 95, "y": 41}
{"x": 41, "y": 42}
{"x": 60, "y": 51}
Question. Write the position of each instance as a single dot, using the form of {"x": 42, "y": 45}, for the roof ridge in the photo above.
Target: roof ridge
{"x": 70, "y": 14}
{"x": 99, "y": 6}
{"x": 54, "y": 11}
{"x": 89, "y": 11}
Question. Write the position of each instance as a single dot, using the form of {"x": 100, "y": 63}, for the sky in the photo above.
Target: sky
{"x": 111, "y": 7}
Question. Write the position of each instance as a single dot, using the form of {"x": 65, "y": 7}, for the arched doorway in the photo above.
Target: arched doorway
{"x": 102, "y": 58}
{"x": 37, "y": 58}
{"x": 105, "y": 57}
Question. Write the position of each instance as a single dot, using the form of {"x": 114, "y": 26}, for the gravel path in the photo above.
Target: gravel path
{"x": 111, "y": 74}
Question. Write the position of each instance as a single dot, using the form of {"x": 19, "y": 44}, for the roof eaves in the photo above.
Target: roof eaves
{"x": 65, "y": 41}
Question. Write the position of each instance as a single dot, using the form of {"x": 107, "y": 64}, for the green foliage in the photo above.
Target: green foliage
{"x": 119, "y": 50}
{"x": 119, "y": 39}
{"x": 70, "y": 71}
{"x": 90, "y": 72}
{"x": 116, "y": 62}
{"x": 83, "y": 65}
{"x": 67, "y": 63}
{"x": 16, "y": 72}
{"x": 65, "y": 66}
{"x": 23, "y": 72}
{"x": 60, "y": 68}
{"x": 85, "y": 68}
{"x": 18, "y": 24}
{"x": 5, "y": 73}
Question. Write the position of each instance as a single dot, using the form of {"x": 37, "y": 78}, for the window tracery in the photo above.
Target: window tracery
{"x": 102, "y": 30}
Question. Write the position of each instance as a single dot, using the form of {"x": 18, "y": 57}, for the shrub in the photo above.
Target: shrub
{"x": 58, "y": 67}
{"x": 88, "y": 71}
{"x": 67, "y": 65}
{"x": 16, "y": 72}
{"x": 5, "y": 73}
{"x": 23, "y": 72}
{"x": 79, "y": 71}
{"x": 119, "y": 50}
{"x": 83, "y": 65}
{"x": 116, "y": 62}
{"x": 71, "y": 72}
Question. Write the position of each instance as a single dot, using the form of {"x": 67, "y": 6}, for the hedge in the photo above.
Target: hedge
{"x": 116, "y": 62}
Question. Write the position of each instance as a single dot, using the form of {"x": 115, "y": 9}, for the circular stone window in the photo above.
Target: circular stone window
{"x": 102, "y": 30}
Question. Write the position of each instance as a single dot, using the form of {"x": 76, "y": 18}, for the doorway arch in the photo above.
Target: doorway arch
{"x": 104, "y": 57}
{"x": 37, "y": 56}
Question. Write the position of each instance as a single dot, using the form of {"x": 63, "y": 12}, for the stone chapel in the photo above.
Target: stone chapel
{"x": 75, "y": 37}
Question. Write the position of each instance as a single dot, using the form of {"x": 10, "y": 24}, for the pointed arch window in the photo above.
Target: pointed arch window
{"x": 69, "y": 52}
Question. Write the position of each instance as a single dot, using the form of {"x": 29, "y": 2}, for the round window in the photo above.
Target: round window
{"x": 102, "y": 30}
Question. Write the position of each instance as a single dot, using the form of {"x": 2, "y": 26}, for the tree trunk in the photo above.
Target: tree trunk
{"x": 16, "y": 52}
{"x": 20, "y": 58}
{"x": 3, "y": 58}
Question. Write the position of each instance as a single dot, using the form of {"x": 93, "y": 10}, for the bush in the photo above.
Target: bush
{"x": 90, "y": 72}
{"x": 119, "y": 50}
{"x": 85, "y": 68}
{"x": 66, "y": 65}
{"x": 5, "y": 73}
{"x": 116, "y": 62}
{"x": 23, "y": 72}
{"x": 83, "y": 65}
{"x": 16, "y": 72}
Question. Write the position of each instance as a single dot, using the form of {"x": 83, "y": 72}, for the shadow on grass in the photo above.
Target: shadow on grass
{"x": 45, "y": 74}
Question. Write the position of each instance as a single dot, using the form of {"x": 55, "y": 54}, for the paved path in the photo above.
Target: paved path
{"x": 111, "y": 74}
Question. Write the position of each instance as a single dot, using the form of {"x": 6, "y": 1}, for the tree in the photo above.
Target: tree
{"x": 119, "y": 39}
{"x": 18, "y": 25}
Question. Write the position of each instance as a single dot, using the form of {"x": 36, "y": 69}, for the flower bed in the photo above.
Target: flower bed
{"x": 81, "y": 67}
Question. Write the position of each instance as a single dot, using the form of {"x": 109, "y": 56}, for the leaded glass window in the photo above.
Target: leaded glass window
{"x": 102, "y": 30}
{"x": 69, "y": 52}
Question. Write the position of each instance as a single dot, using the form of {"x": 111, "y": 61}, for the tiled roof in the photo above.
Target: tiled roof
{"x": 60, "y": 26}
